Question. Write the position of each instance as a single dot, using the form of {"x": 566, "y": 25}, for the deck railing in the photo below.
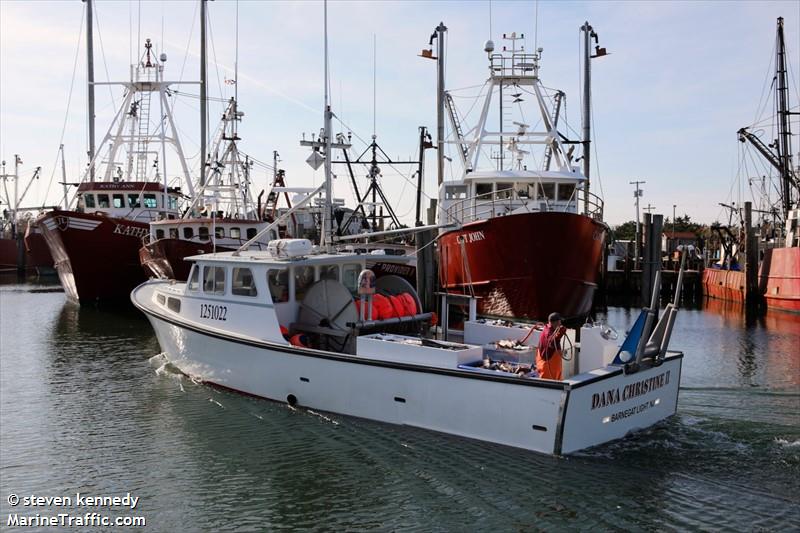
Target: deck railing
{"x": 505, "y": 201}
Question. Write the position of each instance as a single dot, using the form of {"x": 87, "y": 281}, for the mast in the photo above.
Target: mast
{"x": 587, "y": 109}
{"x": 784, "y": 144}
{"x": 327, "y": 215}
{"x": 64, "y": 176}
{"x": 440, "y": 29}
{"x": 90, "y": 84}
{"x": 17, "y": 161}
{"x": 203, "y": 98}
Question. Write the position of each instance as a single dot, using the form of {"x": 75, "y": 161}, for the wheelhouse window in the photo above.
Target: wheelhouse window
{"x": 483, "y": 191}
{"x": 214, "y": 280}
{"x": 251, "y": 232}
{"x": 119, "y": 201}
{"x": 242, "y": 282}
{"x": 150, "y": 201}
{"x": 504, "y": 190}
{"x": 202, "y": 233}
{"x": 188, "y": 232}
{"x": 350, "y": 277}
{"x": 173, "y": 202}
{"x": 278, "y": 283}
{"x": 565, "y": 191}
{"x": 173, "y": 233}
{"x": 174, "y": 304}
{"x": 102, "y": 201}
{"x": 455, "y": 192}
{"x": 194, "y": 276}
{"x": 547, "y": 191}
{"x": 329, "y": 272}
{"x": 219, "y": 232}
{"x": 88, "y": 200}
{"x": 236, "y": 233}
{"x": 303, "y": 279}
{"x": 525, "y": 191}
{"x": 159, "y": 234}
{"x": 133, "y": 201}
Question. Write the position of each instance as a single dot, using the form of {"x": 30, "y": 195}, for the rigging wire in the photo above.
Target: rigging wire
{"x": 214, "y": 53}
{"x": 189, "y": 42}
{"x": 596, "y": 157}
{"x": 103, "y": 54}
{"x": 66, "y": 113}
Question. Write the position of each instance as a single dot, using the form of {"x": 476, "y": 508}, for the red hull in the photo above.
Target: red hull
{"x": 778, "y": 280}
{"x": 525, "y": 266}
{"x": 96, "y": 257}
{"x": 9, "y": 254}
{"x": 38, "y": 252}
{"x": 36, "y": 257}
{"x": 724, "y": 284}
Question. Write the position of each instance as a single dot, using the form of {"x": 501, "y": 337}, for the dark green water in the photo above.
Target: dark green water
{"x": 87, "y": 406}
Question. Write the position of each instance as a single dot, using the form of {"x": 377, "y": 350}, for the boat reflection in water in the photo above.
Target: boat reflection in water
{"x": 767, "y": 345}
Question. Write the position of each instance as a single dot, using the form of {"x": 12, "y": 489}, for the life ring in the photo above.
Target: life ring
{"x": 299, "y": 339}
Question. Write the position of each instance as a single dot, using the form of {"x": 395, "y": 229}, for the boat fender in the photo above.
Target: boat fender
{"x": 299, "y": 339}
{"x": 434, "y": 318}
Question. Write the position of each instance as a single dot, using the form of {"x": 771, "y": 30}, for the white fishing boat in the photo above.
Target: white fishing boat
{"x": 235, "y": 323}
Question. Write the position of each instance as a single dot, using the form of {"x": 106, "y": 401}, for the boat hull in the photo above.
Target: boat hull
{"x": 28, "y": 254}
{"x": 527, "y": 265}
{"x": 778, "y": 280}
{"x": 470, "y": 403}
{"x": 96, "y": 256}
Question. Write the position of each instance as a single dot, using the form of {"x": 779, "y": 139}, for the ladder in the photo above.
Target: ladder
{"x": 548, "y": 153}
{"x": 451, "y": 108}
{"x": 143, "y": 117}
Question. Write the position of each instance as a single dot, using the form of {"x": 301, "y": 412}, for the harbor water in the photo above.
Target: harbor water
{"x": 87, "y": 405}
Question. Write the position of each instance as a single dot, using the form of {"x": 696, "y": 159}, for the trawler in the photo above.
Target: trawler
{"x": 95, "y": 244}
{"x": 521, "y": 193}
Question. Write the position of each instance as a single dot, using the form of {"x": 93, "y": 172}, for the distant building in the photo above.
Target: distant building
{"x": 671, "y": 240}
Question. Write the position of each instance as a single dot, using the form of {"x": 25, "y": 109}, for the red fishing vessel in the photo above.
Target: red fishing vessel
{"x": 95, "y": 246}
{"x": 529, "y": 235}
{"x": 779, "y": 239}
{"x": 22, "y": 248}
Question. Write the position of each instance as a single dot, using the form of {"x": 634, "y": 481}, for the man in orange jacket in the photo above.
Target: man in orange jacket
{"x": 548, "y": 354}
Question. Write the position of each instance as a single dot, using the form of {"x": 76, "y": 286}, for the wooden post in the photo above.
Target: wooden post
{"x": 751, "y": 257}
{"x": 656, "y": 229}
{"x": 426, "y": 269}
{"x": 646, "y": 277}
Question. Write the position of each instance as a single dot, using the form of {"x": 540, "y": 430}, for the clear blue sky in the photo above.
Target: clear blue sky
{"x": 682, "y": 77}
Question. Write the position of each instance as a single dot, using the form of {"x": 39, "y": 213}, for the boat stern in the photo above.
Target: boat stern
{"x": 607, "y": 404}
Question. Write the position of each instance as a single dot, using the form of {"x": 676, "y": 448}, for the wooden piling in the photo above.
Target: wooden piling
{"x": 751, "y": 293}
